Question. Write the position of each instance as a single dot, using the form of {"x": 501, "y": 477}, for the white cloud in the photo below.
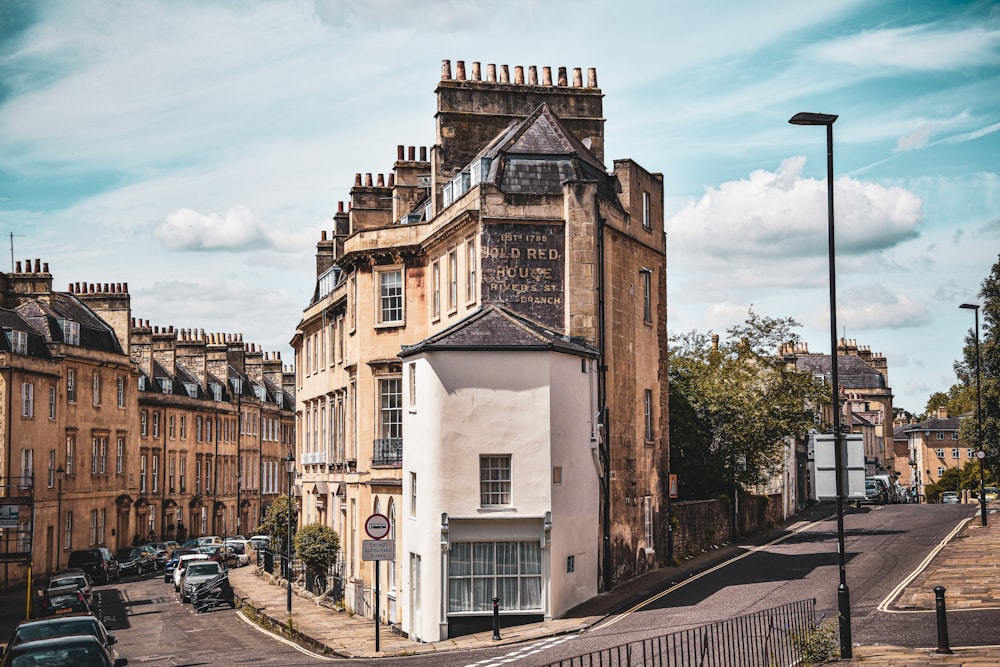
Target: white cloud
{"x": 780, "y": 214}
{"x": 236, "y": 229}
{"x": 913, "y": 48}
{"x": 875, "y": 307}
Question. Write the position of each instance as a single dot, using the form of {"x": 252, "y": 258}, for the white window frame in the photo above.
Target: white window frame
{"x": 452, "y": 280}
{"x": 435, "y": 289}
{"x": 476, "y": 575}
{"x": 495, "y": 480}
{"x": 71, "y": 385}
{"x": 28, "y": 400}
{"x": 121, "y": 391}
{"x": 390, "y": 407}
{"x": 97, "y": 387}
{"x": 391, "y": 296}
{"x": 471, "y": 267}
{"x": 647, "y": 222}
{"x": 52, "y": 403}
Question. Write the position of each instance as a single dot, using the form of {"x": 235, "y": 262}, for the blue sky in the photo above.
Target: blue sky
{"x": 196, "y": 149}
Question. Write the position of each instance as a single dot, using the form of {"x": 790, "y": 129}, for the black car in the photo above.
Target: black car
{"x": 61, "y": 626}
{"x": 98, "y": 562}
{"x": 76, "y": 650}
{"x": 127, "y": 564}
{"x": 65, "y": 600}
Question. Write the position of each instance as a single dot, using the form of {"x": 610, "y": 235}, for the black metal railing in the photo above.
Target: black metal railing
{"x": 776, "y": 636}
{"x": 387, "y": 452}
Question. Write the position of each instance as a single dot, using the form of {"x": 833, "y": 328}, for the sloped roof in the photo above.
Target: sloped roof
{"x": 496, "y": 328}
{"x": 10, "y": 319}
{"x": 95, "y": 334}
{"x": 852, "y": 372}
{"x": 537, "y": 154}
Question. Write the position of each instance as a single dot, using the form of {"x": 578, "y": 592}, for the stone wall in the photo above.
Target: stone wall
{"x": 700, "y": 524}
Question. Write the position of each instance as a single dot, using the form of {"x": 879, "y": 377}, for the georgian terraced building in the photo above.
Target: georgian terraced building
{"x": 130, "y": 432}
{"x": 483, "y": 361}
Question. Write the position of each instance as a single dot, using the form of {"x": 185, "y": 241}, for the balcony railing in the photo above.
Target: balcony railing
{"x": 387, "y": 452}
{"x": 312, "y": 458}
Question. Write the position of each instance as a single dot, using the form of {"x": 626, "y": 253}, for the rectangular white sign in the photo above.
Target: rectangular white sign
{"x": 378, "y": 550}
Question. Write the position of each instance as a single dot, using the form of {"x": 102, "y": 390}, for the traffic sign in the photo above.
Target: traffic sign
{"x": 377, "y": 526}
{"x": 981, "y": 454}
{"x": 378, "y": 549}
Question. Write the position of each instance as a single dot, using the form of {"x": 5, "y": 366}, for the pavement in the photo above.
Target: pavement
{"x": 967, "y": 566}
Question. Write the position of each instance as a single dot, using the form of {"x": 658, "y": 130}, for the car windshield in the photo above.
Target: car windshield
{"x": 60, "y": 655}
{"x": 198, "y": 569}
{"x": 79, "y": 625}
{"x": 68, "y": 581}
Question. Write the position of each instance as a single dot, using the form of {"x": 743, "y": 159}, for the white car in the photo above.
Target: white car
{"x": 182, "y": 564}
{"x": 196, "y": 574}
{"x": 241, "y": 548}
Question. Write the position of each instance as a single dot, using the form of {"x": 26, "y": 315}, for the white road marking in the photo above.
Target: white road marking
{"x": 523, "y": 652}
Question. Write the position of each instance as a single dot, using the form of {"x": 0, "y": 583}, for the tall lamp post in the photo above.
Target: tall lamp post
{"x": 843, "y": 593}
{"x": 60, "y": 473}
{"x": 290, "y": 469}
{"x": 980, "y": 454}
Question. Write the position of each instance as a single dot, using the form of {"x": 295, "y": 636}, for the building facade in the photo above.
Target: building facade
{"x": 506, "y": 249}
{"x": 118, "y": 426}
{"x": 934, "y": 446}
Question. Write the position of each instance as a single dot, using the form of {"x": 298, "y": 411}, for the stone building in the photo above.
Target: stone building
{"x": 933, "y": 446}
{"x": 120, "y": 425}
{"x": 483, "y": 361}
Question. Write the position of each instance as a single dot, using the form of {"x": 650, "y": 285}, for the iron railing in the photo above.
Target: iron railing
{"x": 770, "y": 638}
{"x": 387, "y": 452}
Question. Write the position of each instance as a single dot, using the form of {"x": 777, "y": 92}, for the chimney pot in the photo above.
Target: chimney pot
{"x": 38, "y": 265}
{"x": 491, "y": 73}
{"x": 460, "y": 70}
{"x": 423, "y": 153}
{"x": 399, "y": 151}
{"x": 546, "y": 76}
{"x": 380, "y": 182}
{"x": 45, "y": 267}
{"x": 392, "y": 180}
{"x": 412, "y": 152}
{"x": 518, "y": 75}
{"x": 504, "y": 74}
{"x": 591, "y": 77}
{"x": 577, "y": 77}
{"x": 532, "y": 75}
{"x": 475, "y": 72}
{"x": 445, "y": 70}
{"x": 322, "y": 235}
{"x": 17, "y": 267}
{"x": 562, "y": 77}
{"x": 368, "y": 180}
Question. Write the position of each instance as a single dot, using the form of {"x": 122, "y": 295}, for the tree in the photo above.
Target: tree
{"x": 276, "y": 523}
{"x": 734, "y": 404}
{"x": 989, "y": 377}
{"x": 317, "y": 545}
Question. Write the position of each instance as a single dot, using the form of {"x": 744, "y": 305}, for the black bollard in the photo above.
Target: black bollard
{"x": 942, "y": 621}
{"x": 496, "y": 619}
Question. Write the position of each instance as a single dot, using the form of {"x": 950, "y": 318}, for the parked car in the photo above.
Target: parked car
{"x": 241, "y": 548}
{"x": 876, "y": 492}
{"x": 163, "y": 550}
{"x": 202, "y": 541}
{"x": 196, "y": 574}
{"x": 61, "y": 626}
{"x": 76, "y": 578}
{"x": 221, "y": 554}
{"x": 75, "y": 650}
{"x": 990, "y": 492}
{"x": 171, "y": 563}
{"x": 260, "y": 542}
{"x": 64, "y": 600}
{"x": 98, "y": 562}
{"x": 182, "y": 564}
{"x": 950, "y": 498}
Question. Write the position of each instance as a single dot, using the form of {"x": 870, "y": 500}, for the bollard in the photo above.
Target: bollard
{"x": 942, "y": 621}
{"x": 496, "y": 619}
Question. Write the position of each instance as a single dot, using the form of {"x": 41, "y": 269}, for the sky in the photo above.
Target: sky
{"x": 195, "y": 149}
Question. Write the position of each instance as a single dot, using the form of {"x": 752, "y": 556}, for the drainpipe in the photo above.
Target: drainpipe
{"x": 605, "y": 441}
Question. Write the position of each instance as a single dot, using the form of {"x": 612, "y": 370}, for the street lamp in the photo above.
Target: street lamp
{"x": 843, "y": 593}
{"x": 290, "y": 469}
{"x": 980, "y": 454}
{"x": 60, "y": 473}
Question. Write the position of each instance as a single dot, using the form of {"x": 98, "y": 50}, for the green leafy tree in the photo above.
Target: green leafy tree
{"x": 734, "y": 404}
{"x": 317, "y": 545}
{"x": 965, "y": 370}
{"x": 276, "y": 523}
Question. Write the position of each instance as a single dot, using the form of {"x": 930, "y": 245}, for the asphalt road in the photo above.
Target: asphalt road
{"x": 883, "y": 545}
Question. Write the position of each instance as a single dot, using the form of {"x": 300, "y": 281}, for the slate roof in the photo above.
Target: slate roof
{"x": 10, "y": 319}
{"x": 852, "y": 372}
{"x": 497, "y": 328}
{"x": 95, "y": 334}
{"x": 537, "y": 154}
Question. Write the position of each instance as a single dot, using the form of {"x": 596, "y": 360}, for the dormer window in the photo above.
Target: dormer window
{"x": 479, "y": 171}
{"x": 216, "y": 390}
{"x": 71, "y": 332}
{"x": 166, "y": 385}
{"x": 18, "y": 341}
{"x": 260, "y": 392}
{"x": 192, "y": 389}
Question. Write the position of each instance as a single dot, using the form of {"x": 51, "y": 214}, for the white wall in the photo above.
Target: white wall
{"x": 535, "y": 406}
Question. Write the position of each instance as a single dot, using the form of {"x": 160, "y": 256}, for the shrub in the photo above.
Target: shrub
{"x": 819, "y": 644}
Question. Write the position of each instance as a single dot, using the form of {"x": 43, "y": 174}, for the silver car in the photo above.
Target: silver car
{"x": 195, "y": 574}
